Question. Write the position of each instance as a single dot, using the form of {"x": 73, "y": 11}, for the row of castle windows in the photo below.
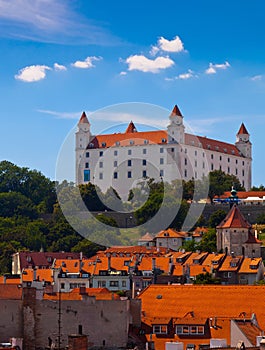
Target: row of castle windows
{"x": 130, "y": 174}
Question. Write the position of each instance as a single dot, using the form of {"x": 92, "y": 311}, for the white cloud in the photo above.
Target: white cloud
{"x": 87, "y": 63}
{"x": 58, "y": 66}
{"x": 256, "y": 78}
{"x": 188, "y": 75}
{"x": 174, "y": 45}
{"x": 212, "y": 69}
{"x": 154, "y": 50}
{"x": 61, "y": 115}
{"x": 123, "y": 73}
{"x": 32, "y": 73}
{"x": 144, "y": 64}
{"x": 54, "y": 21}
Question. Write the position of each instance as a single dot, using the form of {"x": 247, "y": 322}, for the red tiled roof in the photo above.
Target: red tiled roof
{"x": 250, "y": 330}
{"x": 242, "y": 130}
{"x": 146, "y": 237}
{"x": 10, "y": 291}
{"x": 247, "y": 263}
{"x": 99, "y": 293}
{"x": 234, "y": 219}
{"x": 244, "y": 195}
{"x": 41, "y": 275}
{"x": 231, "y": 263}
{"x": 170, "y": 233}
{"x": 83, "y": 119}
{"x": 131, "y": 128}
{"x": 176, "y": 111}
{"x": 9, "y": 280}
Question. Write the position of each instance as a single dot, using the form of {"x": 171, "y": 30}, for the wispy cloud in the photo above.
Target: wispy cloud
{"x": 58, "y": 66}
{"x": 174, "y": 45}
{"x": 144, "y": 64}
{"x": 213, "y": 68}
{"x": 87, "y": 63}
{"x": 32, "y": 73}
{"x": 61, "y": 115}
{"x": 256, "y": 78}
{"x": 50, "y": 21}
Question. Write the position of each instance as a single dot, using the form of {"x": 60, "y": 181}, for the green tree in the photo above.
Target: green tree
{"x": 208, "y": 241}
{"x": 206, "y": 278}
{"x": 15, "y": 204}
{"x": 216, "y": 218}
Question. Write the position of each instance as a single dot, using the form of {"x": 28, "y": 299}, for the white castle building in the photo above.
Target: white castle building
{"x": 121, "y": 160}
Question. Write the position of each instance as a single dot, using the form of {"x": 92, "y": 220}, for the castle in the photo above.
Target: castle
{"x": 121, "y": 160}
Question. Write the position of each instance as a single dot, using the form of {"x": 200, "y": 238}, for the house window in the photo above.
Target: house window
{"x": 144, "y": 151}
{"x": 144, "y": 161}
{"x": 129, "y": 174}
{"x": 129, "y": 163}
{"x": 87, "y": 154}
{"x": 192, "y": 330}
{"x": 115, "y": 175}
{"x": 101, "y": 153}
{"x": 160, "y": 329}
{"x": 123, "y": 284}
{"x": 114, "y": 283}
{"x": 62, "y": 285}
{"x": 161, "y": 160}
{"x": 101, "y": 284}
{"x": 129, "y": 152}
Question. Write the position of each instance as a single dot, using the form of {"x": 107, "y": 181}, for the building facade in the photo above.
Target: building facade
{"x": 121, "y": 160}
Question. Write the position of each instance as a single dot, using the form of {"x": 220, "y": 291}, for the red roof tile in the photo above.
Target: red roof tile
{"x": 234, "y": 219}
{"x": 83, "y": 119}
{"x": 10, "y": 291}
{"x": 242, "y": 130}
{"x": 131, "y": 128}
{"x": 176, "y": 111}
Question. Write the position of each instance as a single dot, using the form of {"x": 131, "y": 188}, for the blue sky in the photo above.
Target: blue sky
{"x": 61, "y": 57}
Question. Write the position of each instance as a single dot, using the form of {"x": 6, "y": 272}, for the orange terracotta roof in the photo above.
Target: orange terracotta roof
{"x": 213, "y": 260}
{"x": 98, "y": 293}
{"x": 9, "y": 280}
{"x": 72, "y": 265}
{"x": 234, "y": 219}
{"x": 41, "y": 275}
{"x": 10, "y": 291}
{"x": 132, "y": 250}
{"x": 83, "y": 119}
{"x": 131, "y": 128}
{"x": 253, "y": 239}
{"x": 205, "y": 301}
{"x": 242, "y": 130}
{"x": 196, "y": 256}
{"x": 176, "y": 111}
{"x": 250, "y": 330}
{"x": 243, "y": 194}
{"x": 146, "y": 237}
{"x": 231, "y": 263}
{"x": 250, "y": 265}
{"x": 171, "y": 233}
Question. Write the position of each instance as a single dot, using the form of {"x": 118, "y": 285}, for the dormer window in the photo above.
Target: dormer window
{"x": 131, "y": 142}
{"x": 208, "y": 146}
{"x": 163, "y": 140}
{"x": 91, "y": 145}
{"x": 117, "y": 143}
{"x": 103, "y": 144}
{"x": 28, "y": 258}
{"x": 146, "y": 142}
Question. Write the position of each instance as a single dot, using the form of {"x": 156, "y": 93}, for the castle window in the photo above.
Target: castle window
{"x": 129, "y": 163}
{"x": 144, "y": 173}
{"x": 100, "y": 176}
{"x": 236, "y": 161}
{"x": 195, "y": 174}
{"x": 161, "y": 173}
{"x": 236, "y": 171}
{"x": 185, "y": 150}
{"x": 115, "y": 153}
{"x": 161, "y": 150}
{"x": 87, "y": 154}
{"x": 225, "y": 150}
{"x": 195, "y": 153}
{"x": 87, "y": 165}
{"x": 144, "y": 151}
{"x": 217, "y": 148}
{"x": 233, "y": 152}
{"x": 243, "y": 163}
{"x": 185, "y": 161}
{"x": 208, "y": 146}
{"x": 161, "y": 160}
{"x": 195, "y": 163}
{"x": 185, "y": 173}
{"x": 129, "y": 152}
{"x": 211, "y": 156}
{"x": 115, "y": 175}
{"x": 144, "y": 161}
{"x": 243, "y": 172}
{"x": 115, "y": 163}
{"x": 220, "y": 167}
{"x": 211, "y": 166}
{"x": 129, "y": 174}
{"x": 228, "y": 170}
{"x": 203, "y": 165}
{"x": 220, "y": 157}
{"x": 101, "y": 164}
{"x": 101, "y": 153}
{"x": 228, "y": 159}
{"x": 203, "y": 154}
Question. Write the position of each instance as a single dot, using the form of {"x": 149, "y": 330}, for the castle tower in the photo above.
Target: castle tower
{"x": 242, "y": 141}
{"x": 176, "y": 127}
{"x": 234, "y": 235}
{"x": 82, "y": 139}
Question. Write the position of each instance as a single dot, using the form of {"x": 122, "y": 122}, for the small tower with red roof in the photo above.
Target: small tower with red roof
{"x": 82, "y": 139}
{"x": 242, "y": 141}
{"x": 176, "y": 127}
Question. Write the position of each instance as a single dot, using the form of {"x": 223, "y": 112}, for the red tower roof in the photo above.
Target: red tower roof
{"x": 242, "y": 130}
{"x": 83, "y": 119}
{"x": 234, "y": 219}
{"x": 176, "y": 111}
{"x": 131, "y": 128}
